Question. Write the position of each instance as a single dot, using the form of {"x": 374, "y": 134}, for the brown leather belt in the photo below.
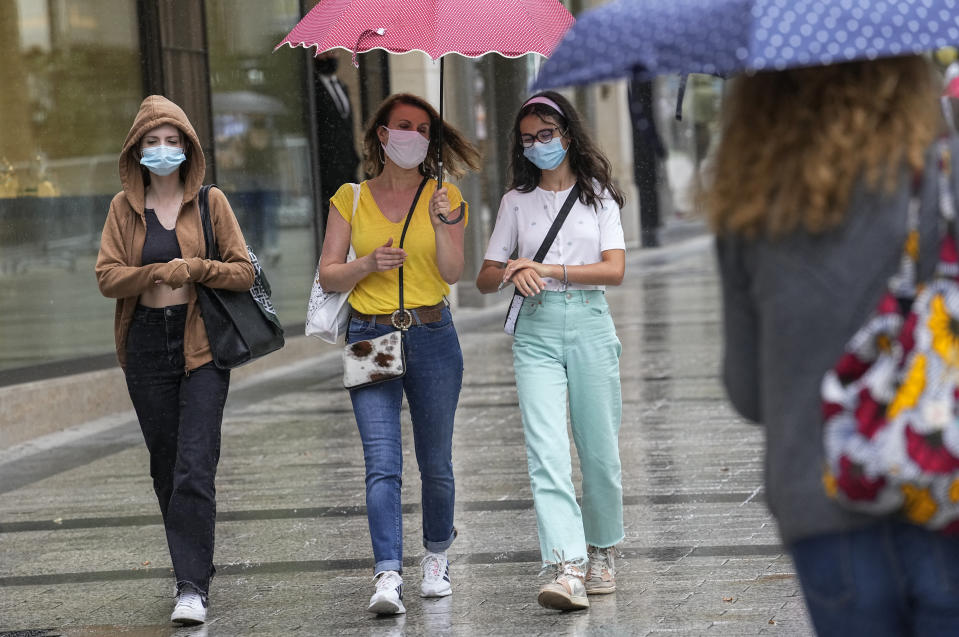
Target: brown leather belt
{"x": 426, "y": 314}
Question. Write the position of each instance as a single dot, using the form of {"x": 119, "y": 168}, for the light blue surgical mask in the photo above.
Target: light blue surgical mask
{"x": 162, "y": 160}
{"x": 546, "y": 156}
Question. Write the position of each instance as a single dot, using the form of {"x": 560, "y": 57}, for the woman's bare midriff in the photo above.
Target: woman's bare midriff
{"x": 163, "y": 295}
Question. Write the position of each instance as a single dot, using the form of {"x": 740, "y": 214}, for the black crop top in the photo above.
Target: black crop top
{"x": 160, "y": 245}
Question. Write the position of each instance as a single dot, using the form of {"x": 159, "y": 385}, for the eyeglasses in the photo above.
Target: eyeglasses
{"x": 544, "y": 136}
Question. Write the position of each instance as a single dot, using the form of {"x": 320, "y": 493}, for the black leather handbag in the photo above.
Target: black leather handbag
{"x": 241, "y": 326}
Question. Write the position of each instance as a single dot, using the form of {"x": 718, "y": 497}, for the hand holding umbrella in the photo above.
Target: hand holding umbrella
{"x": 440, "y": 207}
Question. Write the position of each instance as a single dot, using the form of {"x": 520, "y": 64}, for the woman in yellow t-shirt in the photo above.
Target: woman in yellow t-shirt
{"x": 400, "y": 148}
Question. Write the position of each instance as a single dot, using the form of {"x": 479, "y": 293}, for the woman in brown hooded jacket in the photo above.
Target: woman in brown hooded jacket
{"x": 152, "y": 252}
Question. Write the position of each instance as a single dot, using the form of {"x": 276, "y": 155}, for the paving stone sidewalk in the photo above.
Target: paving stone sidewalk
{"x": 82, "y": 552}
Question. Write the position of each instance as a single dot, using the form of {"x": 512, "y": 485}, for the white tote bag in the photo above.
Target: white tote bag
{"x": 328, "y": 312}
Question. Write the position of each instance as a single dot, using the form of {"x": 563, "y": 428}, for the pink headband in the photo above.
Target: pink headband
{"x": 539, "y": 99}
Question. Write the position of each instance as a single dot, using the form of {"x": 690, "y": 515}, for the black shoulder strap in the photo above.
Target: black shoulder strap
{"x": 203, "y": 202}
{"x": 557, "y": 223}
{"x": 406, "y": 225}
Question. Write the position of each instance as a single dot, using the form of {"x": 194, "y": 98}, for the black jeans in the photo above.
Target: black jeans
{"x": 180, "y": 416}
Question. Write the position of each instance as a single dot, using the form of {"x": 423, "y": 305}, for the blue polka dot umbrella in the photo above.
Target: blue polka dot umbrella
{"x": 645, "y": 38}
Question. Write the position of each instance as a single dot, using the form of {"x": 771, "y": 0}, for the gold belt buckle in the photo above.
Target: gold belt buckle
{"x": 405, "y": 323}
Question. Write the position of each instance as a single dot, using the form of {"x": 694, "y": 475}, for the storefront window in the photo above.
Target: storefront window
{"x": 71, "y": 83}
{"x": 261, "y": 140}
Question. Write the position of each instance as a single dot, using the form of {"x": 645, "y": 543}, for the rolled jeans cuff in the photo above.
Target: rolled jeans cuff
{"x": 439, "y": 547}
{"x": 388, "y": 565}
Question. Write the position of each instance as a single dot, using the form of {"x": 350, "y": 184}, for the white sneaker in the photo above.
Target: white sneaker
{"x": 189, "y": 608}
{"x": 388, "y": 598}
{"x": 436, "y": 575}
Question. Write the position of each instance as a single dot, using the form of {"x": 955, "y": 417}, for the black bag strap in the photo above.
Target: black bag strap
{"x": 551, "y": 233}
{"x": 203, "y": 202}
{"x": 557, "y": 223}
{"x": 406, "y": 319}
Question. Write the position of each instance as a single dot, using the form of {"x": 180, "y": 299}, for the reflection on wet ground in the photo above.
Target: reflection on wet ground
{"x": 168, "y": 630}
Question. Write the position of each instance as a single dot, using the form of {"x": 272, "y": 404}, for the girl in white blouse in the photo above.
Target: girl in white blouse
{"x": 565, "y": 343}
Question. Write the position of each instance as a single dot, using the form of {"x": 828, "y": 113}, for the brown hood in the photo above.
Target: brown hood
{"x": 157, "y": 110}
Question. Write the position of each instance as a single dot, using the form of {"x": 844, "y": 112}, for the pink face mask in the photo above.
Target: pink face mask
{"x": 407, "y": 148}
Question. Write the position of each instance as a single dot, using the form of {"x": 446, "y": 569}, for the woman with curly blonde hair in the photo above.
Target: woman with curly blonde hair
{"x": 809, "y": 195}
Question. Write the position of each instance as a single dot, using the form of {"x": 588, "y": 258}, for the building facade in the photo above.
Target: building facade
{"x": 74, "y": 73}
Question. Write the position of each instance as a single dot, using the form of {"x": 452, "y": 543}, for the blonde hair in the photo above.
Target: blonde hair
{"x": 794, "y": 143}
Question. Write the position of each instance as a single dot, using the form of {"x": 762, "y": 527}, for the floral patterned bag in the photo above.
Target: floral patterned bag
{"x": 891, "y": 423}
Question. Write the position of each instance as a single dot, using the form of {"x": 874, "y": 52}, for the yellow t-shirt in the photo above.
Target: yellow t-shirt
{"x": 378, "y": 292}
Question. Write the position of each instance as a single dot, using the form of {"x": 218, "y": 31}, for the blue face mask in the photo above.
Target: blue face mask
{"x": 162, "y": 160}
{"x": 546, "y": 156}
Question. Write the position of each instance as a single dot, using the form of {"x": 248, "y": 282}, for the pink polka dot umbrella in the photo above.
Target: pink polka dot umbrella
{"x": 471, "y": 28}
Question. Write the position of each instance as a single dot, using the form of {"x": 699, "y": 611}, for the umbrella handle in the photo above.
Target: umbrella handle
{"x": 459, "y": 218}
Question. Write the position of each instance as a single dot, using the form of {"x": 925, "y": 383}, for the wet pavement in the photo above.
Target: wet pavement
{"x": 82, "y": 551}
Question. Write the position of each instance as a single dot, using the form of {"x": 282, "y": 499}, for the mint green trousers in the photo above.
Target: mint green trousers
{"x": 565, "y": 347}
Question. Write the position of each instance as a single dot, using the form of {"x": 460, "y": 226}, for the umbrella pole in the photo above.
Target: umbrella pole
{"x": 439, "y": 163}
{"x": 439, "y": 135}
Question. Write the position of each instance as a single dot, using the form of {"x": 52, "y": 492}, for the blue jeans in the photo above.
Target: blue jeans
{"x": 180, "y": 417}
{"x": 434, "y": 376}
{"x": 887, "y": 580}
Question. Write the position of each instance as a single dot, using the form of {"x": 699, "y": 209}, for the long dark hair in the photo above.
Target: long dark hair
{"x": 586, "y": 160}
{"x": 458, "y": 153}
